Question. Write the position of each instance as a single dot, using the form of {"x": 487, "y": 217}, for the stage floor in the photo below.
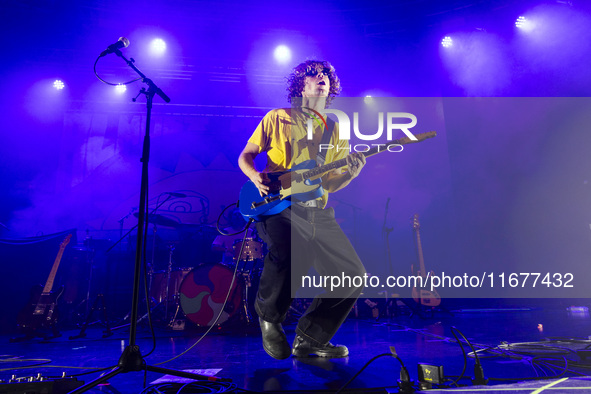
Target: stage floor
{"x": 235, "y": 351}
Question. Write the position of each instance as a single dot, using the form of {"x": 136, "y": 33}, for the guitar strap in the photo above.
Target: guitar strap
{"x": 321, "y": 156}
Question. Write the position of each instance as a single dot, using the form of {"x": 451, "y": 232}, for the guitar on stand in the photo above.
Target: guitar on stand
{"x": 41, "y": 311}
{"x": 422, "y": 295}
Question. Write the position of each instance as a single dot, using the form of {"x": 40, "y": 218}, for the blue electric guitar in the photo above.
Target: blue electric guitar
{"x": 301, "y": 183}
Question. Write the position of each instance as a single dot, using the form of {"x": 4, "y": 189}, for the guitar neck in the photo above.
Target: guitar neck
{"x": 378, "y": 148}
{"x": 318, "y": 171}
{"x": 420, "y": 253}
{"x": 49, "y": 284}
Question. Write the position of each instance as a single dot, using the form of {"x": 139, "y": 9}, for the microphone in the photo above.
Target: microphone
{"x": 177, "y": 195}
{"x": 121, "y": 43}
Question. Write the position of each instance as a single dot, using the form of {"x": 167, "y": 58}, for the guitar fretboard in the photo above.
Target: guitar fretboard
{"x": 420, "y": 253}
{"x": 317, "y": 171}
{"x": 49, "y": 284}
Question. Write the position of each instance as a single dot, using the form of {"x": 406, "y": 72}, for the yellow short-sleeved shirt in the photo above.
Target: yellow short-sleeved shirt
{"x": 282, "y": 133}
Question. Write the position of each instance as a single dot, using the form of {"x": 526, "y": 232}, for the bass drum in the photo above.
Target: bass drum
{"x": 203, "y": 292}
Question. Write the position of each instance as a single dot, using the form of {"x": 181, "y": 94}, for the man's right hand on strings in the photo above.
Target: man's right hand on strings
{"x": 246, "y": 163}
{"x": 261, "y": 181}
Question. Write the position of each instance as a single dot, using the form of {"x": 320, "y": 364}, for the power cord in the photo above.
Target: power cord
{"x": 145, "y": 275}
{"x": 217, "y": 223}
{"x": 564, "y": 371}
{"x": 517, "y": 351}
{"x": 110, "y": 83}
{"x": 479, "y": 379}
{"x": 43, "y": 362}
{"x": 225, "y": 300}
{"x": 465, "y": 359}
{"x": 405, "y": 383}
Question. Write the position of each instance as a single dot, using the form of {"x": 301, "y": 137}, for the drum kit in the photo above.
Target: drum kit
{"x": 199, "y": 293}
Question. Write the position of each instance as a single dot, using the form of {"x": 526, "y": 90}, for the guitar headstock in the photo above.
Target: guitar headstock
{"x": 415, "y": 221}
{"x": 419, "y": 137}
{"x": 66, "y": 241}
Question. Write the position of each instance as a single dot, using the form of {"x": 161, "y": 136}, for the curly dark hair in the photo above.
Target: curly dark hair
{"x": 295, "y": 80}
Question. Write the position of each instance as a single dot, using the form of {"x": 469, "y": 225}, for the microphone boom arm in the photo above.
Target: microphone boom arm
{"x": 152, "y": 88}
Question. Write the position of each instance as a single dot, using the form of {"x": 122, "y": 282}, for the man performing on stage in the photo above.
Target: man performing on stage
{"x": 304, "y": 234}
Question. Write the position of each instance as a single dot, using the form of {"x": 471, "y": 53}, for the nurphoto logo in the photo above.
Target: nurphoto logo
{"x": 391, "y": 122}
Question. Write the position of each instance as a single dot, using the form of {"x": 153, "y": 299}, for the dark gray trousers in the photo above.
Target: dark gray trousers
{"x": 299, "y": 238}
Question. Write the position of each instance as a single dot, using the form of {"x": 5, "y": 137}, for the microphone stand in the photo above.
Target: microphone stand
{"x": 131, "y": 359}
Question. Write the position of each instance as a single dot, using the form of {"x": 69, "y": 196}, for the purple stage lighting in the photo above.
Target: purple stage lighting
{"x": 120, "y": 88}
{"x": 58, "y": 84}
{"x": 158, "y": 46}
{"x": 282, "y": 54}
{"x": 522, "y": 23}
{"x": 446, "y": 42}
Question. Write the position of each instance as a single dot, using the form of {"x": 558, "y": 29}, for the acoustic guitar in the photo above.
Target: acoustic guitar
{"x": 301, "y": 183}
{"x": 41, "y": 311}
{"x": 422, "y": 295}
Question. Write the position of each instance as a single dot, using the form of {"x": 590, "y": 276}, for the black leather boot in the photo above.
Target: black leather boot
{"x": 303, "y": 348}
{"x": 274, "y": 340}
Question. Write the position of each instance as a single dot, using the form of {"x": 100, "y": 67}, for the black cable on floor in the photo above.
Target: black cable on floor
{"x": 465, "y": 359}
{"x": 363, "y": 368}
{"x": 405, "y": 383}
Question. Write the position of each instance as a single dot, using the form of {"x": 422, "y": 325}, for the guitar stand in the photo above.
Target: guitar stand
{"x": 106, "y": 333}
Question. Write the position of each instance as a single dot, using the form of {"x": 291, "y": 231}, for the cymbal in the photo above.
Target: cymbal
{"x": 160, "y": 220}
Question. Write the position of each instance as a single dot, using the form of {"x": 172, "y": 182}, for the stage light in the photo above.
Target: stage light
{"x": 282, "y": 54}
{"x": 368, "y": 99}
{"x": 522, "y": 23}
{"x": 158, "y": 46}
{"x": 446, "y": 42}
{"x": 58, "y": 84}
{"x": 120, "y": 88}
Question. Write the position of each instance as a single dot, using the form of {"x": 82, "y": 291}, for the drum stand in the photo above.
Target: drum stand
{"x": 173, "y": 323}
{"x": 246, "y": 279}
{"x": 164, "y": 299}
{"x": 168, "y": 271}
{"x": 247, "y": 276}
